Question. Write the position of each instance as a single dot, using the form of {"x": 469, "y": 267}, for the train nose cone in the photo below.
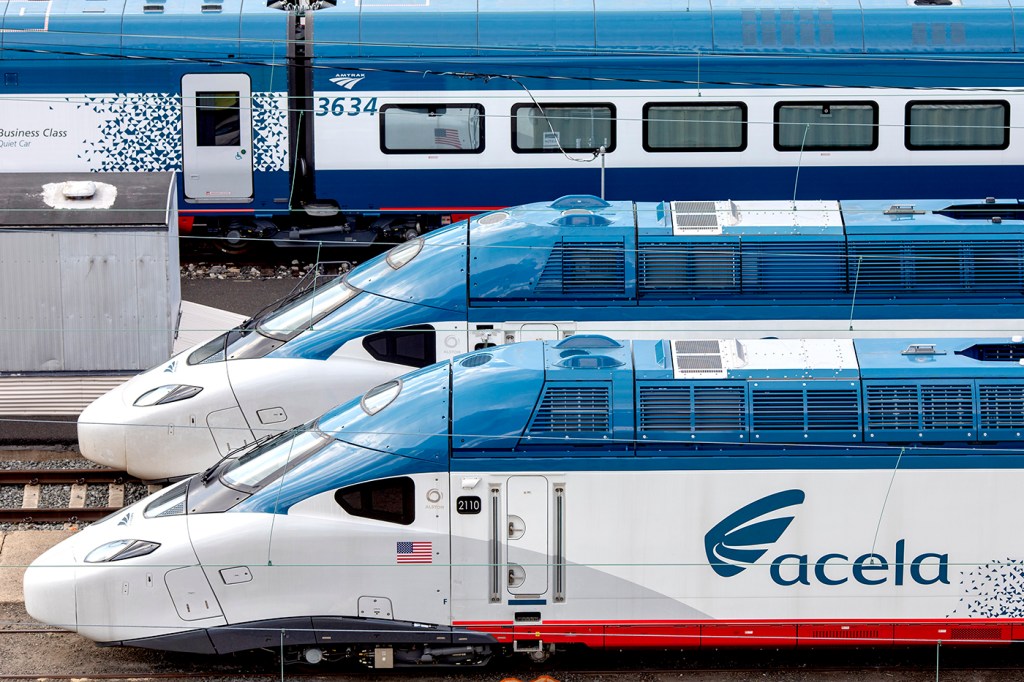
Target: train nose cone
{"x": 100, "y": 437}
{"x": 49, "y": 588}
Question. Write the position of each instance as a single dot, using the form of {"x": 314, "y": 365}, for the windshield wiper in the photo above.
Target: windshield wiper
{"x": 208, "y": 473}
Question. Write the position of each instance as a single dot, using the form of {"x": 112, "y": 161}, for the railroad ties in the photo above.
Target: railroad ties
{"x": 79, "y": 480}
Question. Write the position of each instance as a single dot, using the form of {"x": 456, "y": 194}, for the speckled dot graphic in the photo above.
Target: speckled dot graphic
{"x": 141, "y": 132}
{"x": 992, "y": 590}
{"x": 269, "y": 131}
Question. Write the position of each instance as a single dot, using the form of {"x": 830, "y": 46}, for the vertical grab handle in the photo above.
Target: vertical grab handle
{"x": 494, "y": 560}
{"x": 559, "y": 580}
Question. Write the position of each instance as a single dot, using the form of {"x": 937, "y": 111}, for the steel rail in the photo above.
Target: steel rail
{"x": 56, "y": 515}
{"x": 63, "y": 476}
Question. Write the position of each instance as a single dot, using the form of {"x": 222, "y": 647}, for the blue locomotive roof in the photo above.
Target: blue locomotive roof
{"x": 581, "y": 249}
{"x": 503, "y": 28}
{"x": 689, "y": 400}
{"x": 620, "y": 396}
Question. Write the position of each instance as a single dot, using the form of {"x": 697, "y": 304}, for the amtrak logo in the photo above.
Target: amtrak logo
{"x": 741, "y": 538}
{"x": 348, "y": 80}
{"x": 125, "y": 520}
{"x": 171, "y": 366}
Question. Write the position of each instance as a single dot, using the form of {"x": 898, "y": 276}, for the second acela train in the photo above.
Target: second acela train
{"x": 577, "y": 264}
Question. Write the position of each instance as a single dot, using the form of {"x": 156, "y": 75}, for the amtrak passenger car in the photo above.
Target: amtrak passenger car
{"x": 405, "y": 116}
{"x": 685, "y": 492}
{"x": 578, "y": 264}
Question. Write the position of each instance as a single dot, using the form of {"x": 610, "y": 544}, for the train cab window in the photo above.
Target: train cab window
{"x": 679, "y": 127}
{"x": 432, "y": 129}
{"x": 958, "y": 125}
{"x": 556, "y": 128}
{"x": 826, "y": 126}
{"x": 218, "y": 120}
{"x": 414, "y": 346}
{"x": 391, "y": 500}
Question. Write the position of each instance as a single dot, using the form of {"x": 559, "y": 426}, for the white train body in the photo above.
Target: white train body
{"x": 588, "y": 492}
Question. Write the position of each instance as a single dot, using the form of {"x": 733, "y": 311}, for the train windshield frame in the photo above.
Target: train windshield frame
{"x": 242, "y": 344}
{"x": 307, "y": 310}
{"x": 268, "y": 462}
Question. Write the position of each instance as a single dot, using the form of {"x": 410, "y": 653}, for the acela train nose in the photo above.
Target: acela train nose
{"x": 49, "y": 588}
{"x": 103, "y": 440}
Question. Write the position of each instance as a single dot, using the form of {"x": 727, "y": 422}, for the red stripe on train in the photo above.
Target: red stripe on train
{"x": 762, "y": 633}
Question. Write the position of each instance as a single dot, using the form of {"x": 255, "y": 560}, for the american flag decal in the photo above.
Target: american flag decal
{"x": 447, "y": 136}
{"x": 415, "y": 553}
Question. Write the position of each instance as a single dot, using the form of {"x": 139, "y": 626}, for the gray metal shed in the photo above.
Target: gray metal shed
{"x": 89, "y": 277}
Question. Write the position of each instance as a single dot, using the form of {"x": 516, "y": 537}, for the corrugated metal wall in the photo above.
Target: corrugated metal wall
{"x": 82, "y": 299}
{"x": 52, "y": 395}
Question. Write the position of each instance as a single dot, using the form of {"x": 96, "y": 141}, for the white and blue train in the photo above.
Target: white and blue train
{"x": 670, "y": 493}
{"x": 382, "y": 119}
{"x": 578, "y": 264}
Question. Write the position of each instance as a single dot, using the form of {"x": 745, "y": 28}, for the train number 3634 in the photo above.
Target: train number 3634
{"x": 345, "y": 106}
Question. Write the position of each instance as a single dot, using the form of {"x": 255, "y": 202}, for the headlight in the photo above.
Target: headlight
{"x": 403, "y": 253}
{"x": 121, "y": 549}
{"x": 167, "y": 394}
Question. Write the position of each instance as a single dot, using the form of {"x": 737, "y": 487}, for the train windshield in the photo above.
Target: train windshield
{"x": 257, "y": 337}
{"x": 306, "y": 310}
{"x": 261, "y": 464}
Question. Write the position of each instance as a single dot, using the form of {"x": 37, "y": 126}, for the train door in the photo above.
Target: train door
{"x": 527, "y": 535}
{"x": 216, "y": 130}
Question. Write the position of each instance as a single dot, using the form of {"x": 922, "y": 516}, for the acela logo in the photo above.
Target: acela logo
{"x": 348, "y": 80}
{"x": 741, "y": 538}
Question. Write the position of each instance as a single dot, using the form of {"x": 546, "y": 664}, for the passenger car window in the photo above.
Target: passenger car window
{"x": 390, "y": 500}
{"x": 958, "y": 125}
{"x": 563, "y": 127}
{"x": 825, "y": 126}
{"x": 718, "y": 127}
{"x": 432, "y": 129}
{"x": 218, "y": 123}
{"x": 415, "y": 346}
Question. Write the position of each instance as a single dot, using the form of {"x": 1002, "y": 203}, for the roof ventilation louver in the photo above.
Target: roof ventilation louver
{"x": 994, "y": 352}
{"x": 703, "y": 359}
{"x": 585, "y": 268}
{"x": 694, "y": 217}
{"x": 211, "y": 8}
{"x": 150, "y": 9}
{"x": 578, "y": 409}
{"x": 1001, "y": 406}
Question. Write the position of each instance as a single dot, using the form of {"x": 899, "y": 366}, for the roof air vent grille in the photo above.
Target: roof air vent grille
{"x": 694, "y": 217}
{"x": 703, "y": 358}
{"x": 575, "y": 409}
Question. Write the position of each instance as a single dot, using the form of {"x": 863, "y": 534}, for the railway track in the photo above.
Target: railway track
{"x": 79, "y": 481}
